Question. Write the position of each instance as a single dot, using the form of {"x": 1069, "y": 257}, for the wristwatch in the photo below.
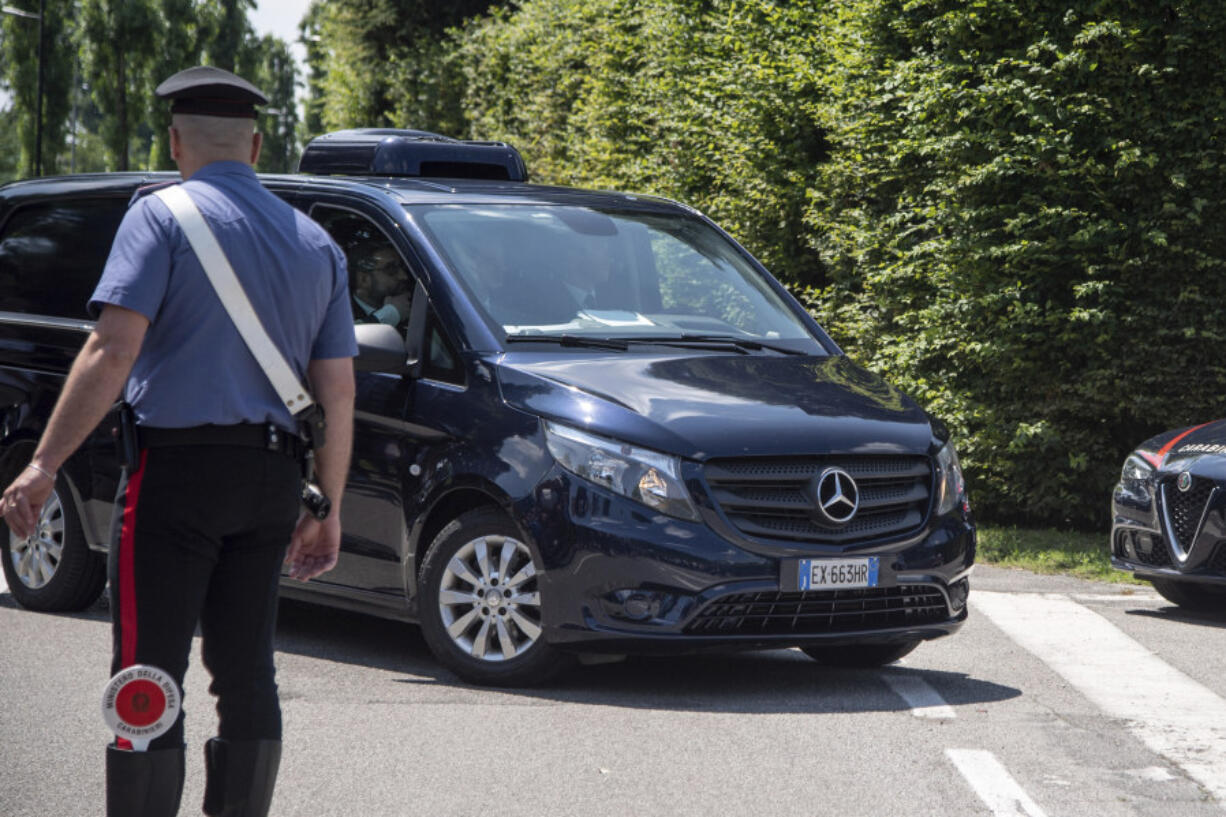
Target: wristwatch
{"x": 315, "y": 501}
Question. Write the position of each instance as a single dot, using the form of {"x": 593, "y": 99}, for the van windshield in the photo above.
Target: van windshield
{"x": 564, "y": 269}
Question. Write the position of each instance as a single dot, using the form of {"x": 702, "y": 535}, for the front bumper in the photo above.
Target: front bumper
{"x": 619, "y": 578}
{"x": 1141, "y": 534}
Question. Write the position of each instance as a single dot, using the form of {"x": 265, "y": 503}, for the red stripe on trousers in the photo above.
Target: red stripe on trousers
{"x": 127, "y": 571}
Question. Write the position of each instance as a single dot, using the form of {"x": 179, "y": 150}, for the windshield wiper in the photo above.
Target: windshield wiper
{"x": 743, "y": 345}
{"x": 573, "y": 340}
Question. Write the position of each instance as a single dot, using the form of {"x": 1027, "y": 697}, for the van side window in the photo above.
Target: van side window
{"x": 380, "y": 286}
{"x": 52, "y": 255}
{"x": 441, "y": 363}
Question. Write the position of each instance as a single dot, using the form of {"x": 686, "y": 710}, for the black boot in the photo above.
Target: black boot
{"x": 143, "y": 784}
{"x": 240, "y": 778}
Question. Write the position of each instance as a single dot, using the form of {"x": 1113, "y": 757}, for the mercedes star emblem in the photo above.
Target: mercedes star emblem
{"x": 838, "y": 498}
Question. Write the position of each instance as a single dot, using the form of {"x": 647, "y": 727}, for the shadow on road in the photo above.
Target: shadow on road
{"x": 773, "y": 681}
{"x": 1173, "y": 613}
{"x": 100, "y": 610}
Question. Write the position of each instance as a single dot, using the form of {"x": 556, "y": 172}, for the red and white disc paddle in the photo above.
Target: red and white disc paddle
{"x": 140, "y": 703}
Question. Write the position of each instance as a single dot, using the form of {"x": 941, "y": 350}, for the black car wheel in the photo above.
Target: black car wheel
{"x": 481, "y": 603}
{"x": 53, "y": 569}
{"x": 1200, "y": 598}
{"x": 860, "y": 655}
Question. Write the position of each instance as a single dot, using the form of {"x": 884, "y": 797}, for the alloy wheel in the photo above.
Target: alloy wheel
{"x": 488, "y": 599}
{"x": 36, "y": 558}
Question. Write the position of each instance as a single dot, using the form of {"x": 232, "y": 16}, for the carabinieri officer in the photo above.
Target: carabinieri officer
{"x": 210, "y": 505}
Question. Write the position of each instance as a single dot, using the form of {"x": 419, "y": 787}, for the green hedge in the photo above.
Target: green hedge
{"x": 1008, "y": 208}
{"x": 1021, "y": 219}
{"x": 712, "y": 103}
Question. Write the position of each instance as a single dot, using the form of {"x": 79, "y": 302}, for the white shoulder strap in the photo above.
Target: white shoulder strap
{"x": 234, "y": 298}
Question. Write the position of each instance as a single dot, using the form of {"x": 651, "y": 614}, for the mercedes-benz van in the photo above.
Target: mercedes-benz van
{"x": 587, "y": 423}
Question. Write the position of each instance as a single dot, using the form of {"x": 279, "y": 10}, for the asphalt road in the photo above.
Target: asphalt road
{"x": 1059, "y": 697}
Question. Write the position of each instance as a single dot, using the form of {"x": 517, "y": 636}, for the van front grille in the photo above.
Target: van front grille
{"x": 777, "y": 498}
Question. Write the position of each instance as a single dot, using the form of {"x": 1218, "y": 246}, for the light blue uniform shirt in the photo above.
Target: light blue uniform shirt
{"x": 194, "y": 368}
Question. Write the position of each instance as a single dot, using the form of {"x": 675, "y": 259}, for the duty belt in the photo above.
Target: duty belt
{"x": 243, "y": 435}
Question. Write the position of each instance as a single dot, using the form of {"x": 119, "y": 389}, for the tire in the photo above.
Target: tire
{"x": 54, "y": 570}
{"x": 860, "y": 655}
{"x": 1194, "y": 596}
{"x": 474, "y": 627}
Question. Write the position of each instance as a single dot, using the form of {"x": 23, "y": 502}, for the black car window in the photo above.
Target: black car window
{"x": 52, "y": 254}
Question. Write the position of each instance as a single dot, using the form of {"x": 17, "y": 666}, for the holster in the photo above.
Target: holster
{"x": 312, "y": 426}
{"x": 127, "y": 443}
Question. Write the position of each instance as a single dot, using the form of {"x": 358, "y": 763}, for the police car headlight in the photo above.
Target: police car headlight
{"x": 951, "y": 489}
{"x": 1137, "y": 474}
{"x": 645, "y": 476}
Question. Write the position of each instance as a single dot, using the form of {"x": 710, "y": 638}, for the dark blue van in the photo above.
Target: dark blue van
{"x": 587, "y": 423}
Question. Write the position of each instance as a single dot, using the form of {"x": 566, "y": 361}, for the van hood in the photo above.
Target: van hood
{"x": 718, "y": 405}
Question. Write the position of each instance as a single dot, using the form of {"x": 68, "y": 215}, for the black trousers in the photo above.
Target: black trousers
{"x": 200, "y": 540}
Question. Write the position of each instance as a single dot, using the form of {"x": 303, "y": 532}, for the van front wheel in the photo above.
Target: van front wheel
{"x": 481, "y": 603}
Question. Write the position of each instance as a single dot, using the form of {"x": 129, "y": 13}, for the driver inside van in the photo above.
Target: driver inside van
{"x": 380, "y": 287}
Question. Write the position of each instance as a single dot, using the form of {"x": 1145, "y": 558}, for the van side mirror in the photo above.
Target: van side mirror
{"x": 380, "y": 348}
{"x": 415, "y": 340}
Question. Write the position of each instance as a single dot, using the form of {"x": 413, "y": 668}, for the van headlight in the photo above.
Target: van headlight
{"x": 950, "y": 488}
{"x": 645, "y": 476}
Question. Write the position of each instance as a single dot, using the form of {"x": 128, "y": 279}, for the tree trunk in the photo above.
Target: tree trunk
{"x": 121, "y": 110}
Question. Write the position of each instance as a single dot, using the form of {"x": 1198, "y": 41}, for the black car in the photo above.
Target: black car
{"x": 1169, "y": 512}
{"x": 586, "y": 423}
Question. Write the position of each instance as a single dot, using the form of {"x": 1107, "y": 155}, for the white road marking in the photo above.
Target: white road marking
{"x": 993, "y": 783}
{"x": 1151, "y": 774}
{"x": 1173, "y": 714}
{"x": 925, "y": 702}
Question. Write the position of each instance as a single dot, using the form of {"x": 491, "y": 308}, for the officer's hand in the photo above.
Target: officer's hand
{"x": 314, "y": 546}
{"x": 23, "y": 501}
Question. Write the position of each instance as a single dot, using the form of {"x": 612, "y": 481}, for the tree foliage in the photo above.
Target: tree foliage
{"x": 117, "y": 39}
{"x": 270, "y": 66}
{"x": 103, "y": 60}
{"x": 227, "y": 33}
{"x": 20, "y": 64}
{"x": 713, "y": 103}
{"x": 385, "y": 63}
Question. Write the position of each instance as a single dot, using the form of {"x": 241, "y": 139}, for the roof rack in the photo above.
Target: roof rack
{"x": 404, "y": 152}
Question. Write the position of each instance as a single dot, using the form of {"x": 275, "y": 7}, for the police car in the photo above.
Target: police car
{"x": 587, "y": 422}
{"x": 1169, "y": 513}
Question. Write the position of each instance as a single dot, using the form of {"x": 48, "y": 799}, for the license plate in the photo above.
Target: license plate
{"x": 837, "y": 574}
